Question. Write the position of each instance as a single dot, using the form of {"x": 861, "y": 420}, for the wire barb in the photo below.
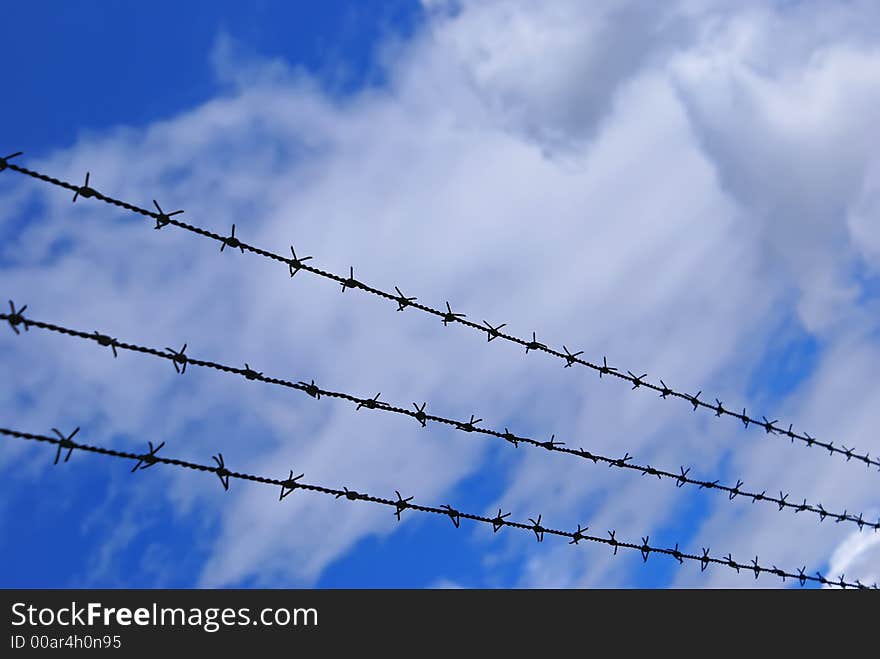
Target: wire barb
{"x": 310, "y": 388}
{"x": 704, "y": 559}
{"x": 469, "y": 426}
{"x": 570, "y": 357}
{"x": 148, "y": 459}
{"x": 178, "y": 359}
{"x": 682, "y": 479}
{"x": 15, "y": 317}
{"x": 402, "y": 300}
{"x": 454, "y": 515}
{"x": 221, "y": 471}
{"x": 782, "y": 498}
{"x": 351, "y": 495}
{"x": 163, "y": 218}
{"x": 106, "y": 341}
{"x": 84, "y": 190}
{"x": 498, "y": 521}
{"x": 735, "y": 491}
{"x": 369, "y": 403}
{"x": 232, "y": 242}
{"x": 613, "y": 541}
{"x": 351, "y": 282}
{"x": 296, "y": 263}
{"x": 586, "y": 455}
{"x": 492, "y": 332}
{"x": 605, "y": 369}
{"x": 637, "y": 379}
{"x": 578, "y": 535}
{"x": 289, "y": 485}
{"x": 732, "y": 563}
{"x": 664, "y": 391}
{"x": 65, "y": 442}
{"x": 653, "y": 472}
{"x": 620, "y": 462}
{"x": 769, "y": 427}
{"x": 450, "y": 316}
{"x": 401, "y": 504}
{"x": 420, "y": 415}
{"x": 249, "y": 373}
{"x": 534, "y": 344}
{"x": 537, "y": 528}
{"x": 551, "y": 443}
{"x": 4, "y": 161}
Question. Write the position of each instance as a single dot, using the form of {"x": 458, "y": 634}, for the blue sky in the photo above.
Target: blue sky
{"x": 92, "y": 64}
{"x": 657, "y": 185}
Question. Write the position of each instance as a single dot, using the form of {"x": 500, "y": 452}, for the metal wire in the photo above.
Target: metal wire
{"x": 295, "y": 264}
{"x": 401, "y": 504}
{"x": 180, "y": 360}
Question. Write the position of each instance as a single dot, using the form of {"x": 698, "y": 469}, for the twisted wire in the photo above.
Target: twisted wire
{"x": 296, "y": 264}
{"x": 181, "y": 360}
{"x": 401, "y": 504}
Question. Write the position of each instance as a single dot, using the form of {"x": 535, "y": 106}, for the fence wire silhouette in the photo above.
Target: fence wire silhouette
{"x": 66, "y": 445}
{"x": 180, "y": 360}
{"x": 296, "y": 264}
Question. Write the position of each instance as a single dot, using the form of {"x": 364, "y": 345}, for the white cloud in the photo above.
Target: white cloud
{"x": 860, "y": 551}
{"x": 862, "y": 219}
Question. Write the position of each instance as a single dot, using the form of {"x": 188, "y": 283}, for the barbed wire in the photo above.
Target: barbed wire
{"x": 295, "y": 264}
{"x": 401, "y": 504}
{"x": 180, "y": 360}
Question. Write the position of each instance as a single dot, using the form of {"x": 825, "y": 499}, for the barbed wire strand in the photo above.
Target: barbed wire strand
{"x": 180, "y": 360}
{"x": 401, "y": 504}
{"x": 295, "y": 264}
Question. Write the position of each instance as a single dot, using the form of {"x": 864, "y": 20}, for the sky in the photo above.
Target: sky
{"x": 688, "y": 188}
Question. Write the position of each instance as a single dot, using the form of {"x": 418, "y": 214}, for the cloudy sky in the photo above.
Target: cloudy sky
{"x": 690, "y": 188}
